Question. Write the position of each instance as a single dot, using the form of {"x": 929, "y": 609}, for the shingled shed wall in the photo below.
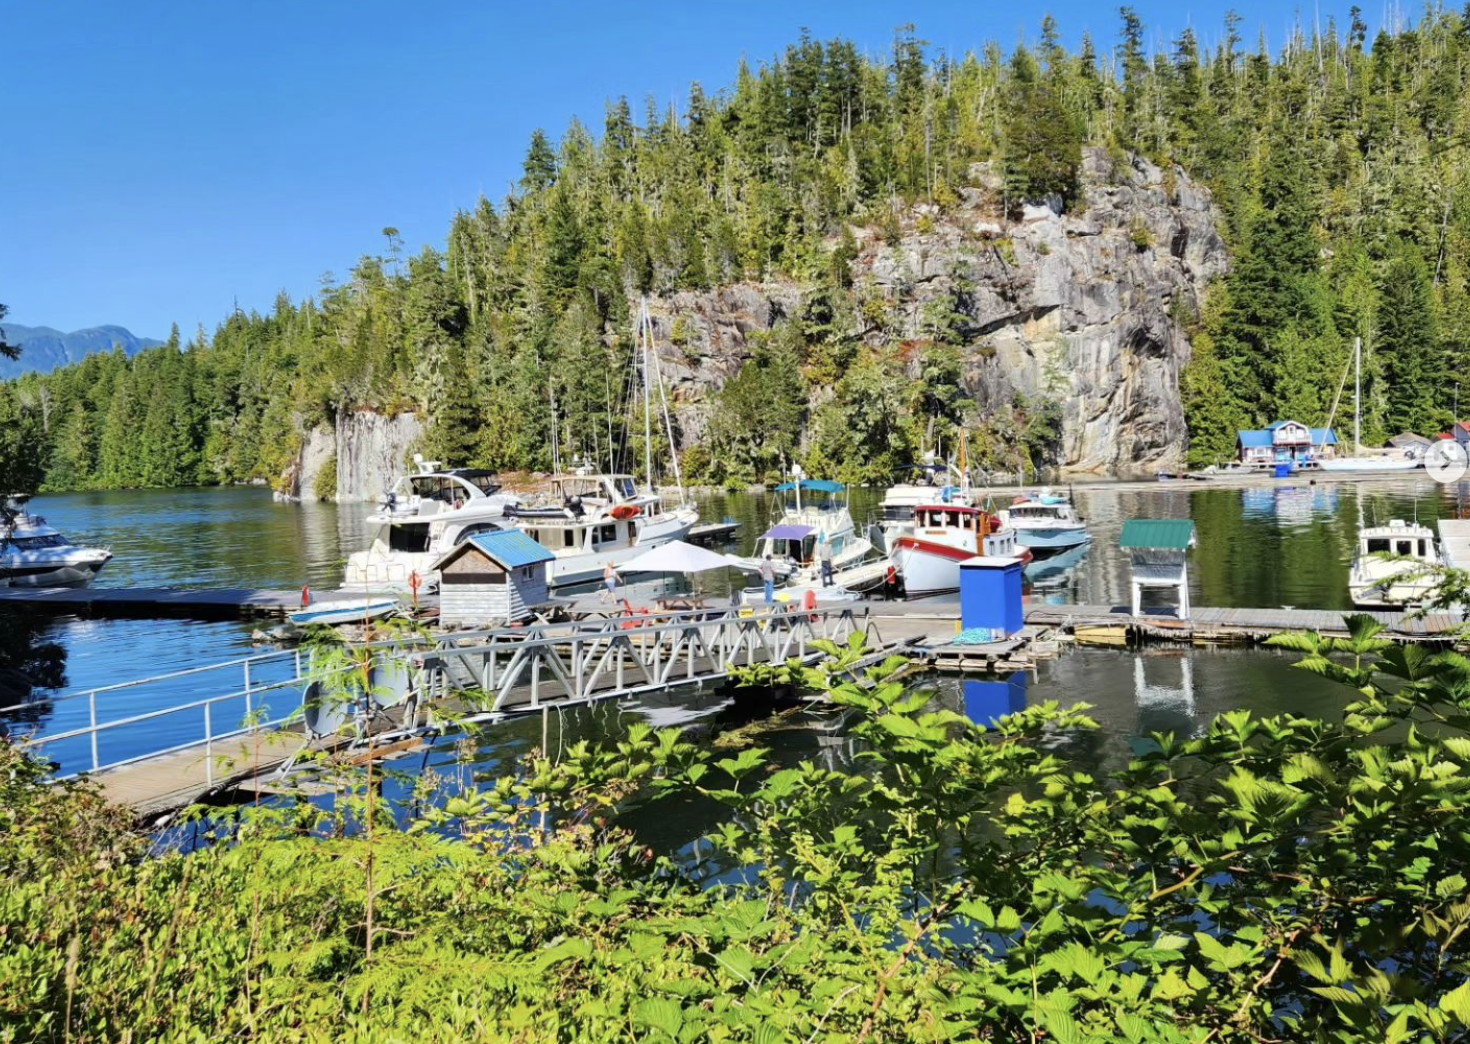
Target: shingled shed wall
{"x": 477, "y": 591}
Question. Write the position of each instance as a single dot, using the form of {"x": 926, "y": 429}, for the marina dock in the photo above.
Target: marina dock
{"x": 1454, "y": 539}
{"x": 217, "y": 603}
{"x": 1117, "y": 625}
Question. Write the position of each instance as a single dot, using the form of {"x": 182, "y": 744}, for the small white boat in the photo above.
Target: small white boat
{"x": 1369, "y": 465}
{"x": 1410, "y": 578}
{"x": 352, "y": 611}
{"x": 1045, "y": 524}
{"x": 33, "y": 554}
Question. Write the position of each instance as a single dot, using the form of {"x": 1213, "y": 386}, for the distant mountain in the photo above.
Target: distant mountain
{"x": 44, "y": 349}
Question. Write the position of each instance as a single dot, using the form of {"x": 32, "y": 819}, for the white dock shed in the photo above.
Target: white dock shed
{"x": 492, "y": 579}
{"x": 1159, "y": 549}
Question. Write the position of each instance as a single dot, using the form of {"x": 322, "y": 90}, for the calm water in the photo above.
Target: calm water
{"x": 1285, "y": 545}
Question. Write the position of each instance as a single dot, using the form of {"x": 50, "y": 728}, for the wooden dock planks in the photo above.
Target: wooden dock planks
{"x": 1245, "y": 623}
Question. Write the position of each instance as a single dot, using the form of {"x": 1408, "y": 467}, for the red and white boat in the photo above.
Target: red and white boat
{"x": 928, "y": 554}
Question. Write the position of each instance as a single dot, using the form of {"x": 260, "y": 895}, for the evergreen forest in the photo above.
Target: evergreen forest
{"x": 1339, "y": 163}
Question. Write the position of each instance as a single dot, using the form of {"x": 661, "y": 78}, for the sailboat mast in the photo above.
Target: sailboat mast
{"x": 1357, "y": 396}
{"x": 643, "y": 322}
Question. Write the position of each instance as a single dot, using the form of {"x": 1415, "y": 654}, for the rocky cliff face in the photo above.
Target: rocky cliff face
{"x": 1080, "y": 308}
{"x": 370, "y": 451}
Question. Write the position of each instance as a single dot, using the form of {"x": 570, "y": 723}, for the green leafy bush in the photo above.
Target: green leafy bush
{"x": 1270, "y": 879}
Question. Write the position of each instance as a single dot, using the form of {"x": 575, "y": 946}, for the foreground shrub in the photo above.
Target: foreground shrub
{"x": 1270, "y": 879}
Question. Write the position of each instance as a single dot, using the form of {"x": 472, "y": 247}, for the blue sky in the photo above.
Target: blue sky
{"x": 162, "y": 161}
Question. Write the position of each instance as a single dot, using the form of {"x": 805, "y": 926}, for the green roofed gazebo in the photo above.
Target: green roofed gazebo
{"x": 1159, "y": 549}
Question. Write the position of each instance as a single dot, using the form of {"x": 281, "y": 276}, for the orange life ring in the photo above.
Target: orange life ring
{"x": 623, "y": 512}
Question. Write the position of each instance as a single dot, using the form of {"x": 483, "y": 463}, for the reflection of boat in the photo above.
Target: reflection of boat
{"x": 344, "y": 612}
{"x": 928, "y": 554}
{"x": 1409, "y": 578}
{"x": 33, "y": 554}
{"x": 421, "y": 517}
{"x": 1045, "y": 523}
{"x": 1053, "y": 570}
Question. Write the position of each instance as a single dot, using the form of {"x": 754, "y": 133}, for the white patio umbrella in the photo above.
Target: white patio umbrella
{"x": 676, "y": 556}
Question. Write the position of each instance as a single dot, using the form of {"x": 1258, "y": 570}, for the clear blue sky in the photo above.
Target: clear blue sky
{"x": 161, "y": 160}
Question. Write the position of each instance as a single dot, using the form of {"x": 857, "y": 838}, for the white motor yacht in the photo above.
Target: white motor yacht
{"x": 929, "y": 553}
{"x": 1409, "y": 578}
{"x": 792, "y": 542}
{"x": 927, "y": 484}
{"x": 33, "y": 554}
{"x": 421, "y": 517}
{"x": 593, "y": 520}
{"x": 1045, "y": 524}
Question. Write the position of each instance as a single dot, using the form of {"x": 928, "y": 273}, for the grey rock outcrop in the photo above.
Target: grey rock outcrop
{"x": 1080, "y": 308}
{"x": 318, "y": 449}
{"x": 371, "y": 450}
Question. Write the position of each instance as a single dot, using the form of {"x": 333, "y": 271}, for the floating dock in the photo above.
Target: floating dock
{"x": 203, "y": 603}
{"x": 1116, "y": 625}
{"x": 1454, "y": 539}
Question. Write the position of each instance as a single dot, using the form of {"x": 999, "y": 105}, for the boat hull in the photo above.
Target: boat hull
{"x": 1365, "y": 466}
{"x": 344, "y": 612}
{"x": 1051, "y": 540}
{"x": 71, "y": 571}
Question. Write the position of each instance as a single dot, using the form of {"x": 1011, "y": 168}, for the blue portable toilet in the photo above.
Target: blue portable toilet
{"x": 986, "y": 702}
{"x": 990, "y": 594}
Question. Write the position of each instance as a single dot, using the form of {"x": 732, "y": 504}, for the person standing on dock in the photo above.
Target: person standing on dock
{"x": 768, "y": 577}
{"x": 610, "y": 578}
{"x": 824, "y": 555}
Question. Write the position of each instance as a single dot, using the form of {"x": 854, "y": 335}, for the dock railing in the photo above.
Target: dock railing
{"x": 520, "y": 669}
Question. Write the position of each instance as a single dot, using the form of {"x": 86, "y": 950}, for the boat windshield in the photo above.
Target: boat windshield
{"x": 439, "y": 487}
{"x": 36, "y": 543}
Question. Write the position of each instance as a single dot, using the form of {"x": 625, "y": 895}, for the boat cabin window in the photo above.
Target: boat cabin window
{"x": 413, "y": 539}
{"x": 605, "y": 534}
{"x": 35, "y": 543}
{"x": 437, "y": 487}
{"x": 1378, "y": 547}
{"x": 624, "y": 486}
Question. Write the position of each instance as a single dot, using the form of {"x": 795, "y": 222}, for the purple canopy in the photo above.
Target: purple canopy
{"x": 786, "y": 533}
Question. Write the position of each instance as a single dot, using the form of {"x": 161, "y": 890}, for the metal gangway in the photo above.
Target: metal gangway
{"x": 144, "y": 742}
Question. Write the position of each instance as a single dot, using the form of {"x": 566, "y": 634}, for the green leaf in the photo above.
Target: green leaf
{"x": 658, "y": 1013}
{"x": 1457, "y": 1003}
{"x": 1449, "y": 887}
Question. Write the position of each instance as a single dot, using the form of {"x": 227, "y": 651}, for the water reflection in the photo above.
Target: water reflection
{"x": 987, "y": 701}
{"x": 30, "y": 664}
{"x": 1287, "y": 544}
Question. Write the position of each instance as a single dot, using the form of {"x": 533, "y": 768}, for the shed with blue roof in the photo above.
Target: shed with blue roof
{"x": 492, "y": 579}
